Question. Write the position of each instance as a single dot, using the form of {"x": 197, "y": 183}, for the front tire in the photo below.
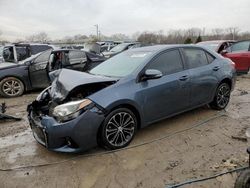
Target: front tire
{"x": 222, "y": 97}
{"x": 11, "y": 87}
{"x": 243, "y": 180}
{"x": 119, "y": 128}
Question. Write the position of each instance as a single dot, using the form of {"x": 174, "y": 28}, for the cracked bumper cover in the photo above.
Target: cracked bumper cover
{"x": 79, "y": 134}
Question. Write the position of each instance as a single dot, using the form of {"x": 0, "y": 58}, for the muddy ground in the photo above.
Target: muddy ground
{"x": 198, "y": 152}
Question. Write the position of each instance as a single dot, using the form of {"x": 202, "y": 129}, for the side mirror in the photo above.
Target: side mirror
{"x": 223, "y": 52}
{"x": 151, "y": 74}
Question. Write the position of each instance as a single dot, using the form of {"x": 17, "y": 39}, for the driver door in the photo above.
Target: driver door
{"x": 38, "y": 72}
{"x": 169, "y": 94}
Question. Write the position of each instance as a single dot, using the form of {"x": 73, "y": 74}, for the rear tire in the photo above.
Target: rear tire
{"x": 222, "y": 97}
{"x": 118, "y": 128}
{"x": 243, "y": 180}
{"x": 11, "y": 87}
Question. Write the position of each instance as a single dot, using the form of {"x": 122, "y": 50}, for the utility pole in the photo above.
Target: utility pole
{"x": 97, "y": 31}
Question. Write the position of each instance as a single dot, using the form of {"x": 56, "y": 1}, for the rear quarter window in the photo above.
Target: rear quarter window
{"x": 210, "y": 58}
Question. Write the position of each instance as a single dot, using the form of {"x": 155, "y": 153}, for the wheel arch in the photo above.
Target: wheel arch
{"x": 226, "y": 80}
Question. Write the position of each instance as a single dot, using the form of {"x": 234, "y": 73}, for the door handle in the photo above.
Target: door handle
{"x": 216, "y": 68}
{"x": 183, "y": 78}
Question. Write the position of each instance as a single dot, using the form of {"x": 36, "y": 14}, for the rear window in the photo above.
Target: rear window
{"x": 195, "y": 57}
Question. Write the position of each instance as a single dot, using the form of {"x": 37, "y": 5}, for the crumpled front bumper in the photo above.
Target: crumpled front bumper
{"x": 79, "y": 134}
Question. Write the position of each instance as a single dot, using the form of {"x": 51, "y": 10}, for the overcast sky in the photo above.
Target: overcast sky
{"x": 59, "y": 18}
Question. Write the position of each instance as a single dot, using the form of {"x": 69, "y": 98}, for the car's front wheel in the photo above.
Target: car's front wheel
{"x": 11, "y": 87}
{"x": 222, "y": 97}
{"x": 119, "y": 128}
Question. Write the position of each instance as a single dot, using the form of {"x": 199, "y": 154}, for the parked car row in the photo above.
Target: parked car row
{"x": 127, "y": 92}
{"x": 33, "y": 73}
{"x": 18, "y": 52}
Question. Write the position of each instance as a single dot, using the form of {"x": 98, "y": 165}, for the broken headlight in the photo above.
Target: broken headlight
{"x": 70, "y": 110}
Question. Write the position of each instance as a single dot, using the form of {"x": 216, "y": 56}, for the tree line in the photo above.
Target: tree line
{"x": 192, "y": 35}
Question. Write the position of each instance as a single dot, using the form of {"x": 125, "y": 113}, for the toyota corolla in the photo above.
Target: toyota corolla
{"x": 127, "y": 92}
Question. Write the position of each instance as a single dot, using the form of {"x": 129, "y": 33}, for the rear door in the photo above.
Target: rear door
{"x": 204, "y": 73}
{"x": 38, "y": 70}
{"x": 239, "y": 53}
{"x": 169, "y": 94}
{"x": 75, "y": 60}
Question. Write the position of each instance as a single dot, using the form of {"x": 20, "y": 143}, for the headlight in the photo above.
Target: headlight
{"x": 70, "y": 110}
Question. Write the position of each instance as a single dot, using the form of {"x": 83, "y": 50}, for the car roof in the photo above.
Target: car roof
{"x": 215, "y": 41}
{"x": 157, "y": 48}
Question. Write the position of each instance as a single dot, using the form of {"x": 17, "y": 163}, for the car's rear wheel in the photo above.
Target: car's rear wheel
{"x": 11, "y": 87}
{"x": 222, "y": 97}
{"x": 119, "y": 128}
{"x": 243, "y": 180}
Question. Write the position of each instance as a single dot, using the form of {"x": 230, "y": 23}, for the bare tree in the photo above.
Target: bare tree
{"x": 218, "y": 33}
{"x": 119, "y": 36}
{"x": 39, "y": 37}
{"x": 232, "y": 33}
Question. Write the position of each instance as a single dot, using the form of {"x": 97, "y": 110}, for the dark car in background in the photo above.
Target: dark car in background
{"x": 20, "y": 51}
{"x": 239, "y": 53}
{"x": 120, "y": 48}
{"x": 32, "y": 73}
{"x": 127, "y": 92}
{"x": 216, "y": 45}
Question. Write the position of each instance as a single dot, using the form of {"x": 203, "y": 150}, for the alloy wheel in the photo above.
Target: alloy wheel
{"x": 12, "y": 87}
{"x": 120, "y": 129}
{"x": 223, "y": 95}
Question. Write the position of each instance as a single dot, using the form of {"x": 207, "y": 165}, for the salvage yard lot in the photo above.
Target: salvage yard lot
{"x": 200, "y": 151}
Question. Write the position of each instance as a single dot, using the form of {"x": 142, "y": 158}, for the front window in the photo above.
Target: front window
{"x": 168, "y": 62}
{"x": 122, "y": 64}
{"x": 240, "y": 46}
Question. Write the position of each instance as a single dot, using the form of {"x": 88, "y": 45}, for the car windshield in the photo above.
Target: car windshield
{"x": 211, "y": 46}
{"x": 119, "y": 47}
{"x": 121, "y": 65}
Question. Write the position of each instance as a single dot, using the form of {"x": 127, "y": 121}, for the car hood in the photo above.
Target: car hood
{"x": 65, "y": 80}
{"x": 5, "y": 65}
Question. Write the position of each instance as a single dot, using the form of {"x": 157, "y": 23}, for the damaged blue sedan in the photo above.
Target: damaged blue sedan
{"x": 126, "y": 93}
